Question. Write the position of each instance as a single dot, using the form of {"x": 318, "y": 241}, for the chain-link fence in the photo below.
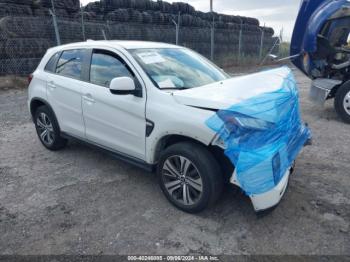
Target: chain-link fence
{"x": 24, "y": 39}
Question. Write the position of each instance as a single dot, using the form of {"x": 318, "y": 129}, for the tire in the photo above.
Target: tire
{"x": 342, "y": 102}
{"x": 45, "y": 120}
{"x": 202, "y": 180}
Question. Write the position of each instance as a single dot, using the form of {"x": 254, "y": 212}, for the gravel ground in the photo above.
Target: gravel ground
{"x": 81, "y": 201}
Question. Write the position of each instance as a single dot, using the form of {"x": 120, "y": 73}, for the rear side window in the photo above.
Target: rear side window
{"x": 70, "y": 63}
{"x": 51, "y": 65}
{"x": 105, "y": 66}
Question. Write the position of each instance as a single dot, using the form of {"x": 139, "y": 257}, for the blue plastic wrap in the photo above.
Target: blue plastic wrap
{"x": 263, "y": 136}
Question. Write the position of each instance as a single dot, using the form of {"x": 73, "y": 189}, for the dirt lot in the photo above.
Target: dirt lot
{"x": 80, "y": 201}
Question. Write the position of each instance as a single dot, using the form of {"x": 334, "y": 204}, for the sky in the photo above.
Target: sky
{"x": 273, "y": 13}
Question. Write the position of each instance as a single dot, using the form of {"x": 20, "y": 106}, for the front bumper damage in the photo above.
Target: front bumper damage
{"x": 270, "y": 199}
{"x": 262, "y": 137}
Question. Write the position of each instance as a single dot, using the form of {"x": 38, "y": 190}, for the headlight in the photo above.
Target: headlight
{"x": 253, "y": 123}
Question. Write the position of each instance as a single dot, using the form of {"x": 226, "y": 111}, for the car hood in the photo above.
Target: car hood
{"x": 224, "y": 94}
{"x": 312, "y": 17}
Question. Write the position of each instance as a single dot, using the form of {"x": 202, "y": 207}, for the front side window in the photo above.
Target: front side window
{"x": 105, "y": 66}
{"x": 70, "y": 63}
{"x": 177, "y": 68}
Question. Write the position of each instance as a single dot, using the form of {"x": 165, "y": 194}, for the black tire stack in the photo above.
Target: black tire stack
{"x": 26, "y": 28}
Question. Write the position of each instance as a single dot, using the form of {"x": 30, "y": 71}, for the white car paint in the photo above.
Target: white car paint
{"x": 92, "y": 113}
{"x": 232, "y": 91}
{"x": 268, "y": 199}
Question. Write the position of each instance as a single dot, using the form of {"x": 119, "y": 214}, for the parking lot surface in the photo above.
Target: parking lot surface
{"x": 82, "y": 201}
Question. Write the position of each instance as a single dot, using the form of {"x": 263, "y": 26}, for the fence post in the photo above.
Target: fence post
{"x": 177, "y": 28}
{"x": 108, "y": 29}
{"x": 82, "y": 21}
{"x": 104, "y": 34}
{"x": 240, "y": 39}
{"x": 277, "y": 42}
{"x": 54, "y": 19}
{"x": 212, "y": 41}
{"x": 261, "y": 43}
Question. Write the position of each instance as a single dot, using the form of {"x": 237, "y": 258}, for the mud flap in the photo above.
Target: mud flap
{"x": 321, "y": 89}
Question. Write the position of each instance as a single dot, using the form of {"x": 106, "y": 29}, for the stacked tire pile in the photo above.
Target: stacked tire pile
{"x": 154, "y": 21}
{"x": 26, "y": 32}
{"x": 26, "y": 28}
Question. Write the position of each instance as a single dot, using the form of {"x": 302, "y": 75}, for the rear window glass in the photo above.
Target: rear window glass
{"x": 51, "y": 65}
{"x": 70, "y": 63}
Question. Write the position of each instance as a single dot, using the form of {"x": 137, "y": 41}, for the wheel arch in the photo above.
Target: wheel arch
{"x": 217, "y": 152}
{"x": 336, "y": 88}
{"x": 37, "y": 102}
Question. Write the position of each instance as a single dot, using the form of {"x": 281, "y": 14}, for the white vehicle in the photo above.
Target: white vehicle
{"x": 146, "y": 103}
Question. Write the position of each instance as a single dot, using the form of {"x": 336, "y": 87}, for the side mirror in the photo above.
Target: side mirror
{"x": 122, "y": 86}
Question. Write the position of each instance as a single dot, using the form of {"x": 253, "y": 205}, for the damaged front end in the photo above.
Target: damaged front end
{"x": 262, "y": 137}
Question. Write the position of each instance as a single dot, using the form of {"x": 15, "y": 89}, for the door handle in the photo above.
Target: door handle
{"x": 88, "y": 98}
{"x": 51, "y": 84}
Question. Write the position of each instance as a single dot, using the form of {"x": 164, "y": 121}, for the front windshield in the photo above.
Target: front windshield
{"x": 177, "y": 68}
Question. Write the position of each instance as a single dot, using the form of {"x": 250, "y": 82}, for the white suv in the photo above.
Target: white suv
{"x": 147, "y": 103}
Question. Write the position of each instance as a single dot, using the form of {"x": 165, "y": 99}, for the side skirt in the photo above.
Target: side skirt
{"x": 118, "y": 155}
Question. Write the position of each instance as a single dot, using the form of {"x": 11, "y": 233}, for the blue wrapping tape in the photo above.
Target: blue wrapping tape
{"x": 263, "y": 136}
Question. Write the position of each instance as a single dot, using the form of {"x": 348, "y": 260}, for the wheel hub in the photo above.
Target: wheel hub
{"x": 182, "y": 180}
{"x": 45, "y": 129}
{"x": 346, "y": 103}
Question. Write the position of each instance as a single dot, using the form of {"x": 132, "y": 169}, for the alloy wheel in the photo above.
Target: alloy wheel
{"x": 45, "y": 129}
{"x": 182, "y": 180}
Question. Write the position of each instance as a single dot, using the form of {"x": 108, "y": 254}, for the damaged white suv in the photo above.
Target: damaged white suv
{"x": 166, "y": 107}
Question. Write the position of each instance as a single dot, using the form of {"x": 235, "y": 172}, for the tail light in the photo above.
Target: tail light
{"x": 30, "y": 78}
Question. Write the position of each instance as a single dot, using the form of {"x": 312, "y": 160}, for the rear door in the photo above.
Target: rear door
{"x": 64, "y": 87}
{"x": 116, "y": 122}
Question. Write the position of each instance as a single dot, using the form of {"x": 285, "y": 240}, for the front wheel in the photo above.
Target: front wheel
{"x": 342, "y": 102}
{"x": 190, "y": 177}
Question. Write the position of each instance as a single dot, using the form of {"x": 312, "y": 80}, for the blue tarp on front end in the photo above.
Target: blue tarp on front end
{"x": 263, "y": 136}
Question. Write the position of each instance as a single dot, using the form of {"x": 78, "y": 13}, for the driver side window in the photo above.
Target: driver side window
{"x": 105, "y": 66}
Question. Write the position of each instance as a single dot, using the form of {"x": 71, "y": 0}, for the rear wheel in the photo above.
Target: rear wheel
{"x": 190, "y": 177}
{"x": 342, "y": 102}
{"x": 47, "y": 129}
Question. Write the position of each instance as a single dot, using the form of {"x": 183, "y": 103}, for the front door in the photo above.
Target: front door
{"x": 116, "y": 122}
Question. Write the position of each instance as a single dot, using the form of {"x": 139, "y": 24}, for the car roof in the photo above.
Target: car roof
{"x": 116, "y": 44}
